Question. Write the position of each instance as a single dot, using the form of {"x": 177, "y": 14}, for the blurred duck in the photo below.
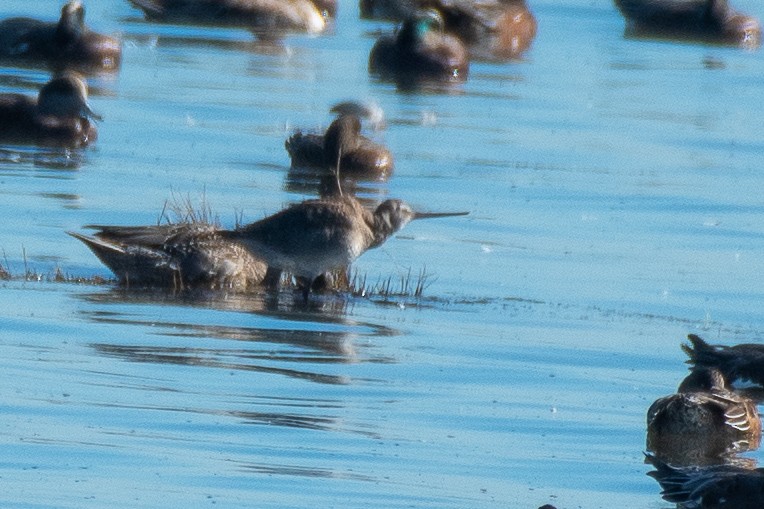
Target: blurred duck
{"x": 62, "y": 44}
{"x": 706, "y": 20}
{"x": 60, "y": 116}
{"x": 714, "y": 487}
{"x": 180, "y": 256}
{"x": 343, "y": 146}
{"x": 420, "y": 51}
{"x": 702, "y": 422}
{"x": 491, "y": 28}
{"x": 266, "y": 18}
{"x": 737, "y": 363}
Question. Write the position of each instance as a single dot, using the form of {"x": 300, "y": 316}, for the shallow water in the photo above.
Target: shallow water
{"x": 613, "y": 191}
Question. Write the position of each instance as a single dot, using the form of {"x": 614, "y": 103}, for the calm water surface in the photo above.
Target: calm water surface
{"x": 614, "y": 195}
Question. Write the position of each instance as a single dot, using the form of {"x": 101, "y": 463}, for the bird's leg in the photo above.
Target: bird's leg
{"x": 323, "y": 283}
{"x": 272, "y": 278}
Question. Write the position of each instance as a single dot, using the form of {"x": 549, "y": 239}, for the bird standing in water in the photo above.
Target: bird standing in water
{"x": 316, "y": 236}
{"x": 181, "y": 256}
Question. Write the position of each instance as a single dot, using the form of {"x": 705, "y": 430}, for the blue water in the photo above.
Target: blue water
{"x": 614, "y": 194}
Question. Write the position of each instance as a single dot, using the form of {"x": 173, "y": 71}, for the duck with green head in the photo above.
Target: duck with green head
{"x": 491, "y": 29}
{"x": 420, "y": 50}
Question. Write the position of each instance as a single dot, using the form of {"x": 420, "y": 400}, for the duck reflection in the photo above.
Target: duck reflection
{"x": 709, "y": 487}
{"x": 53, "y": 158}
{"x": 171, "y": 39}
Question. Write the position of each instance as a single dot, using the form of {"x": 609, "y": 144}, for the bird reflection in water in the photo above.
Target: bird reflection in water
{"x": 710, "y": 487}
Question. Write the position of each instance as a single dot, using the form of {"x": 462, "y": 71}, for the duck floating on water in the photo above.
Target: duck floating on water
{"x": 360, "y": 157}
{"x": 265, "y": 18}
{"x": 59, "y": 116}
{"x": 738, "y": 363}
{"x": 420, "y": 51}
{"x": 703, "y": 422}
{"x": 67, "y": 43}
{"x": 492, "y": 29}
{"x": 705, "y": 20}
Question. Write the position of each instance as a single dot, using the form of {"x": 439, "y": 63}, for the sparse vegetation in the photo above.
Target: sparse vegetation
{"x": 406, "y": 285}
{"x": 393, "y": 286}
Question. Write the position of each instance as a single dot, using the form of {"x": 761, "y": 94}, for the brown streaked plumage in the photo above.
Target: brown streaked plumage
{"x": 317, "y": 236}
{"x": 267, "y": 18}
{"x": 705, "y": 20}
{"x": 62, "y": 44}
{"x": 59, "y": 116}
{"x": 189, "y": 255}
{"x": 702, "y": 422}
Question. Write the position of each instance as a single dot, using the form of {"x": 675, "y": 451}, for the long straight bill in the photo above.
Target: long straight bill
{"x": 427, "y": 215}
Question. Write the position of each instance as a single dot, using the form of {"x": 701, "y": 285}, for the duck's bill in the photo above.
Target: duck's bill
{"x": 428, "y": 215}
{"x": 88, "y": 112}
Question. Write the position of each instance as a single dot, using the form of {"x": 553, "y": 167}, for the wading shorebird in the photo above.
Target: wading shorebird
{"x": 61, "y": 44}
{"x": 311, "y": 238}
{"x": 180, "y": 256}
{"x": 60, "y": 115}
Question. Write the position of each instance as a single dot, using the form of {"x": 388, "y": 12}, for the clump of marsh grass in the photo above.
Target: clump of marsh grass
{"x": 5, "y": 273}
{"x": 403, "y": 285}
{"x": 182, "y": 209}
